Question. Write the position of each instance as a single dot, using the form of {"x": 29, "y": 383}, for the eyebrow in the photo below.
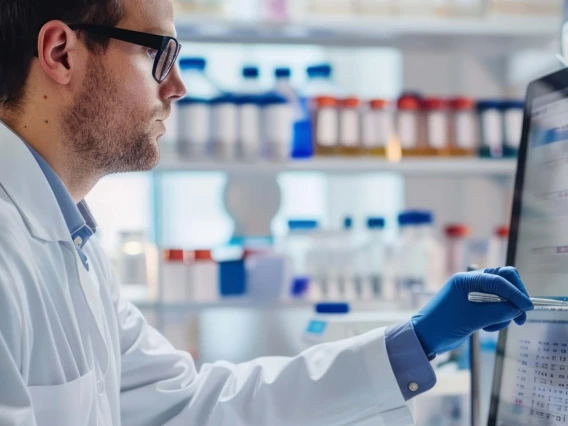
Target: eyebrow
{"x": 160, "y": 31}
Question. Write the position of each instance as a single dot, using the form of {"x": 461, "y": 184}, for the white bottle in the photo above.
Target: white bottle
{"x": 278, "y": 127}
{"x": 194, "y": 127}
{"x": 174, "y": 277}
{"x": 434, "y": 256}
{"x": 250, "y": 126}
{"x": 225, "y": 128}
{"x": 194, "y": 111}
{"x": 492, "y": 128}
{"x": 346, "y": 252}
{"x": 372, "y": 261}
{"x": 410, "y": 257}
{"x": 203, "y": 276}
{"x": 497, "y": 250}
{"x": 297, "y": 246}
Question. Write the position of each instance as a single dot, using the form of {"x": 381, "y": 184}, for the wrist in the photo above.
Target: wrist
{"x": 416, "y": 321}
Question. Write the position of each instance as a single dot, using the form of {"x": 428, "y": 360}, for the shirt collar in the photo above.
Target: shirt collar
{"x": 78, "y": 217}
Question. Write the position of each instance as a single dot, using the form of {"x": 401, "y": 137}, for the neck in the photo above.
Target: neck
{"x": 40, "y": 130}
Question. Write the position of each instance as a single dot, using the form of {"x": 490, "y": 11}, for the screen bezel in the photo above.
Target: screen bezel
{"x": 552, "y": 83}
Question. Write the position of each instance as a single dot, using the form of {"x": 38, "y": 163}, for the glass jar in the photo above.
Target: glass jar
{"x": 464, "y": 131}
{"x": 326, "y": 125}
{"x": 349, "y": 127}
{"x": 513, "y": 112}
{"x": 409, "y": 126}
{"x": 437, "y": 125}
{"x": 377, "y": 127}
{"x": 492, "y": 130}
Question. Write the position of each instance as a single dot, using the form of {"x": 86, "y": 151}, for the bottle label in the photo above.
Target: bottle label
{"x": 465, "y": 130}
{"x": 492, "y": 129}
{"x": 349, "y": 129}
{"x": 327, "y": 128}
{"x": 408, "y": 129}
{"x": 438, "y": 129}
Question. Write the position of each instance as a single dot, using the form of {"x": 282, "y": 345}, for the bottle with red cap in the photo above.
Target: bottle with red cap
{"x": 497, "y": 252}
{"x": 438, "y": 126}
{"x": 174, "y": 277}
{"x": 456, "y": 248}
{"x": 203, "y": 275}
{"x": 378, "y": 127}
{"x": 349, "y": 127}
{"x": 464, "y": 127}
{"x": 409, "y": 124}
{"x": 326, "y": 125}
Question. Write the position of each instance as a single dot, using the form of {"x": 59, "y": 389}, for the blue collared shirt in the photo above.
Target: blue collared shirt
{"x": 408, "y": 360}
{"x": 78, "y": 217}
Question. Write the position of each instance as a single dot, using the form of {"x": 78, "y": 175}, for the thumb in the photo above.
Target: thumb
{"x": 494, "y": 284}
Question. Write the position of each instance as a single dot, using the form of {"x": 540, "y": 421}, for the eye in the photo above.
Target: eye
{"x": 152, "y": 53}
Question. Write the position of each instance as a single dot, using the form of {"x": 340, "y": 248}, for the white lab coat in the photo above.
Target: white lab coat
{"x": 74, "y": 353}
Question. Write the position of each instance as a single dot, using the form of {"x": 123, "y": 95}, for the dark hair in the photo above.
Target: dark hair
{"x": 20, "y": 23}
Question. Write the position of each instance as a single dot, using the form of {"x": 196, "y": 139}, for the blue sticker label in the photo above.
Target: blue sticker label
{"x": 316, "y": 327}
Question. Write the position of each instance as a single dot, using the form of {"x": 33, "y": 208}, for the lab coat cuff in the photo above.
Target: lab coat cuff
{"x": 410, "y": 365}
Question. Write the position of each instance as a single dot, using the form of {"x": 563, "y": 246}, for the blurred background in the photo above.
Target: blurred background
{"x": 329, "y": 151}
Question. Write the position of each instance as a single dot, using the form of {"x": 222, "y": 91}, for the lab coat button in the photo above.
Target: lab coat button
{"x": 78, "y": 241}
{"x": 413, "y": 386}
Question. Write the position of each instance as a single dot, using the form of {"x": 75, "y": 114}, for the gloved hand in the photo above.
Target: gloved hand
{"x": 449, "y": 318}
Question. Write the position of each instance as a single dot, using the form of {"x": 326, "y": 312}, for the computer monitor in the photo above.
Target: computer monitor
{"x": 530, "y": 386}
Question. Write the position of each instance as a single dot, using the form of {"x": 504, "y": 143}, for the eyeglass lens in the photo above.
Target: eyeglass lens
{"x": 166, "y": 60}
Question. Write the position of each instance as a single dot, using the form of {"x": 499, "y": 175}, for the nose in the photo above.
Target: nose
{"x": 172, "y": 88}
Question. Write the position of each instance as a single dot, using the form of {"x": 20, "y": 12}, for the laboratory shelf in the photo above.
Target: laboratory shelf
{"x": 250, "y": 304}
{"x": 489, "y": 34}
{"x": 411, "y": 167}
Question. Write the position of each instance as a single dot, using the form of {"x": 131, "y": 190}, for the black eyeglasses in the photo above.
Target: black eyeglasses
{"x": 167, "y": 48}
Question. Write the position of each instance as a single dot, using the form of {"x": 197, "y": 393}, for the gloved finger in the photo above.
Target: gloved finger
{"x": 511, "y": 275}
{"x": 521, "y": 319}
{"x": 495, "y": 284}
{"x": 497, "y": 327}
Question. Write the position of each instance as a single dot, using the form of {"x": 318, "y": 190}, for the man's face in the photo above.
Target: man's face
{"x": 117, "y": 116}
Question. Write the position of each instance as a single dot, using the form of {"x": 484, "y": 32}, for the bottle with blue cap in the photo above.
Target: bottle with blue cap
{"x": 320, "y": 83}
{"x": 297, "y": 246}
{"x": 418, "y": 258}
{"x": 371, "y": 260}
{"x": 492, "y": 128}
{"x": 251, "y": 81}
{"x": 198, "y": 84}
{"x": 346, "y": 260}
{"x": 513, "y": 112}
{"x": 194, "y": 111}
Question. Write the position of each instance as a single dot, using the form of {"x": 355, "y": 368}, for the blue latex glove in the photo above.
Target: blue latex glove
{"x": 450, "y": 318}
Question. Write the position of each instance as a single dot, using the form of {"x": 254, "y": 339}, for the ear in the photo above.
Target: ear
{"x": 56, "y": 45}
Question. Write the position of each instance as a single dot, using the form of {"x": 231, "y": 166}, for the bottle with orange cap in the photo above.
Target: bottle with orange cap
{"x": 377, "y": 127}
{"x": 349, "y": 127}
{"x": 437, "y": 127}
{"x": 410, "y": 126}
{"x": 326, "y": 125}
{"x": 464, "y": 127}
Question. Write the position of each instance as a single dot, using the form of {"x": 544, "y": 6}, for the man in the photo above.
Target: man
{"x": 85, "y": 86}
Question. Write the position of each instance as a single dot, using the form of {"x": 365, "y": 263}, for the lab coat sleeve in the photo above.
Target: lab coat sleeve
{"x": 342, "y": 383}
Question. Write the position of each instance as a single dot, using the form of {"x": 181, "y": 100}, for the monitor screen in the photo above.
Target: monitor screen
{"x": 534, "y": 376}
{"x": 541, "y": 252}
{"x": 530, "y": 385}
